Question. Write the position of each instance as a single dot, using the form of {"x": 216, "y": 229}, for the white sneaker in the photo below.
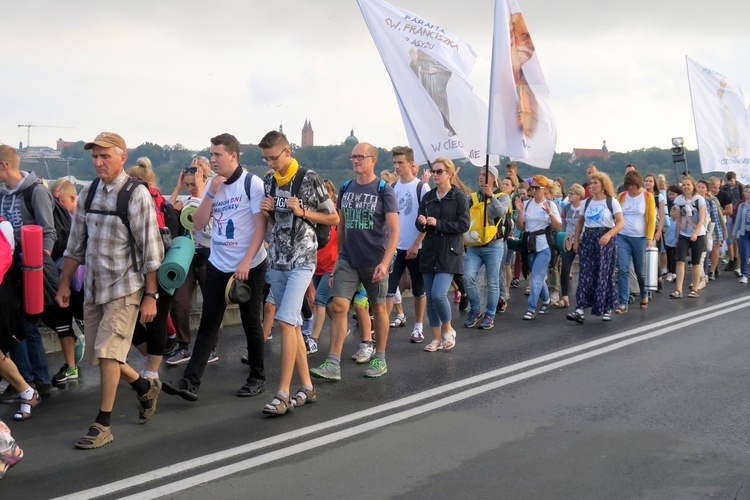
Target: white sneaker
{"x": 417, "y": 337}
{"x": 364, "y": 354}
{"x": 671, "y": 277}
{"x": 743, "y": 280}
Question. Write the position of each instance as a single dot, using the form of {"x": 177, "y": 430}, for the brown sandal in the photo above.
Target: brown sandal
{"x": 644, "y": 304}
{"x": 284, "y": 405}
{"x": 97, "y": 437}
{"x": 22, "y": 414}
{"x": 304, "y": 396}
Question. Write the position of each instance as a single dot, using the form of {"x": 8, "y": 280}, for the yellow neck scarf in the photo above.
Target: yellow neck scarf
{"x": 282, "y": 180}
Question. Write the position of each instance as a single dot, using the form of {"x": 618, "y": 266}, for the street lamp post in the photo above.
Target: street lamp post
{"x": 678, "y": 155}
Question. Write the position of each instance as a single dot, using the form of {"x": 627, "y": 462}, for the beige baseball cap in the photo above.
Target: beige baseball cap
{"x": 107, "y": 140}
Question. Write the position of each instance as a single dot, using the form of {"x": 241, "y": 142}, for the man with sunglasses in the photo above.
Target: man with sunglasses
{"x": 368, "y": 233}
{"x": 237, "y": 234}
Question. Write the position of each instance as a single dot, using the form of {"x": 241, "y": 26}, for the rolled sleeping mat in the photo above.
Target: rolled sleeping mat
{"x": 514, "y": 244}
{"x": 32, "y": 262}
{"x": 174, "y": 267}
{"x": 568, "y": 244}
{"x": 560, "y": 243}
{"x": 186, "y": 216}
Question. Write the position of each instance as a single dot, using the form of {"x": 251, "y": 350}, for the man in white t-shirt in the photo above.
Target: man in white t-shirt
{"x": 237, "y": 233}
{"x": 409, "y": 193}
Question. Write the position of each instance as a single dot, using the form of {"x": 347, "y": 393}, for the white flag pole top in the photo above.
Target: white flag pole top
{"x": 722, "y": 121}
{"x": 429, "y": 66}
{"x": 521, "y": 124}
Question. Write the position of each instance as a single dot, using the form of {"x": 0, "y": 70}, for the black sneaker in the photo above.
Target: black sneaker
{"x": 514, "y": 283}
{"x": 253, "y": 387}
{"x": 171, "y": 348}
{"x": 180, "y": 388}
{"x": 463, "y": 304}
{"x": 66, "y": 373}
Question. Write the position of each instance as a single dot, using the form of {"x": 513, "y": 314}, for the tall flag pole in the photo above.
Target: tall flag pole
{"x": 520, "y": 121}
{"x": 429, "y": 68}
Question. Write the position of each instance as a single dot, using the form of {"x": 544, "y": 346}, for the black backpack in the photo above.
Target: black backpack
{"x": 322, "y": 231}
{"x": 60, "y": 217}
{"x": 123, "y": 200}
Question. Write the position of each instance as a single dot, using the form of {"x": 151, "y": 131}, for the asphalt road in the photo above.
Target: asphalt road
{"x": 650, "y": 405}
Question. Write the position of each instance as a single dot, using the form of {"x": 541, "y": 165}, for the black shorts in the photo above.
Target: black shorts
{"x": 697, "y": 249}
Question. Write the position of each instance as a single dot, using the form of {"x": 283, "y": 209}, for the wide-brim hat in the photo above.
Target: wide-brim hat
{"x": 237, "y": 292}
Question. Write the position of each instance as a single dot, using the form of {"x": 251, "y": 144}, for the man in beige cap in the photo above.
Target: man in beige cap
{"x": 117, "y": 285}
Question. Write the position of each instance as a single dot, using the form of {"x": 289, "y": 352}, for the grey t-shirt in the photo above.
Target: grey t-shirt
{"x": 366, "y": 233}
{"x": 289, "y": 246}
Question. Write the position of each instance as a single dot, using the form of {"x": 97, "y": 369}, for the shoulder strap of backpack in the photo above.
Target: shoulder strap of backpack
{"x": 297, "y": 182}
{"x": 91, "y": 193}
{"x": 27, "y": 195}
{"x": 248, "y": 184}
{"x": 123, "y": 202}
{"x": 420, "y": 187}
{"x": 345, "y": 186}
{"x": 609, "y": 205}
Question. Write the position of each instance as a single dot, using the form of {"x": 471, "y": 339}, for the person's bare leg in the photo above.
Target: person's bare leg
{"x": 680, "y": 268}
{"x": 9, "y": 372}
{"x": 68, "y": 345}
{"x": 381, "y": 326}
{"x": 338, "y": 309}
{"x": 289, "y": 350}
{"x": 319, "y": 319}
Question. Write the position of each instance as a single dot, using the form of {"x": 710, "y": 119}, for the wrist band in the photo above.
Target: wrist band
{"x": 210, "y": 195}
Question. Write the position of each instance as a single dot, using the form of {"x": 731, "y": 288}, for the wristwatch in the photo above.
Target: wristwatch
{"x": 154, "y": 296}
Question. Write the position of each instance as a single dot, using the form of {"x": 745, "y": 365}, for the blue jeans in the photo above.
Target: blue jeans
{"x": 29, "y": 354}
{"x": 538, "y": 263}
{"x": 322, "y": 290}
{"x": 630, "y": 248}
{"x": 744, "y": 242}
{"x": 438, "y": 307}
{"x": 492, "y": 257}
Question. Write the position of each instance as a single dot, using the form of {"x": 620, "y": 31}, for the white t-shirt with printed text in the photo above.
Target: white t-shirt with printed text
{"x": 233, "y": 225}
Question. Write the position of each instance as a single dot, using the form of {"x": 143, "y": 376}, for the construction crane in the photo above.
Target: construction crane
{"x": 28, "y": 130}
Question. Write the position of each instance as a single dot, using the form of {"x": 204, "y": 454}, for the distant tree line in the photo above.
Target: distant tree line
{"x": 332, "y": 162}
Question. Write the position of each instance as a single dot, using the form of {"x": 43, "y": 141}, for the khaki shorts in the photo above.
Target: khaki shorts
{"x": 109, "y": 327}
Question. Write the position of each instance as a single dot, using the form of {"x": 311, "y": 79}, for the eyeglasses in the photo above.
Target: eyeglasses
{"x": 534, "y": 188}
{"x": 360, "y": 157}
{"x": 190, "y": 170}
{"x": 273, "y": 158}
{"x": 438, "y": 171}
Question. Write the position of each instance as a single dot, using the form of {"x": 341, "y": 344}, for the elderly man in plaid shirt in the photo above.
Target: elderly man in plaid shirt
{"x": 115, "y": 289}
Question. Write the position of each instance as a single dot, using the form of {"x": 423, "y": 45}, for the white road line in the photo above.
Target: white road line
{"x": 669, "y": 325}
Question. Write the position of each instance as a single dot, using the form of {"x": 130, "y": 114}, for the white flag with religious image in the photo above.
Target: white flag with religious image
{"x": 722, "y": 121}
{"x": 521, "y": 124}
{"x": 429, "y": 68}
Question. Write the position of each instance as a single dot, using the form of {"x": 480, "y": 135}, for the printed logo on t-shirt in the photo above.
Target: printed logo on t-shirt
{"x": 406, "y": 203}
{"x": 359, "y": 210}
{"x": 595, "y": 213}
{"x": 225, "y": 228}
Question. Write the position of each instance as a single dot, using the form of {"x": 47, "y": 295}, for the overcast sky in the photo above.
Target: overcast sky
{"x": 182, "y": 71}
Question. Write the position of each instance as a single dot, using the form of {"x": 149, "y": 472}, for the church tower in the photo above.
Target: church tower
{"x": 307, "y": 134}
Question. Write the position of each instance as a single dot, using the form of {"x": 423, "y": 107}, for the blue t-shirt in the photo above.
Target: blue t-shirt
{"x": 366, "y": 233}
